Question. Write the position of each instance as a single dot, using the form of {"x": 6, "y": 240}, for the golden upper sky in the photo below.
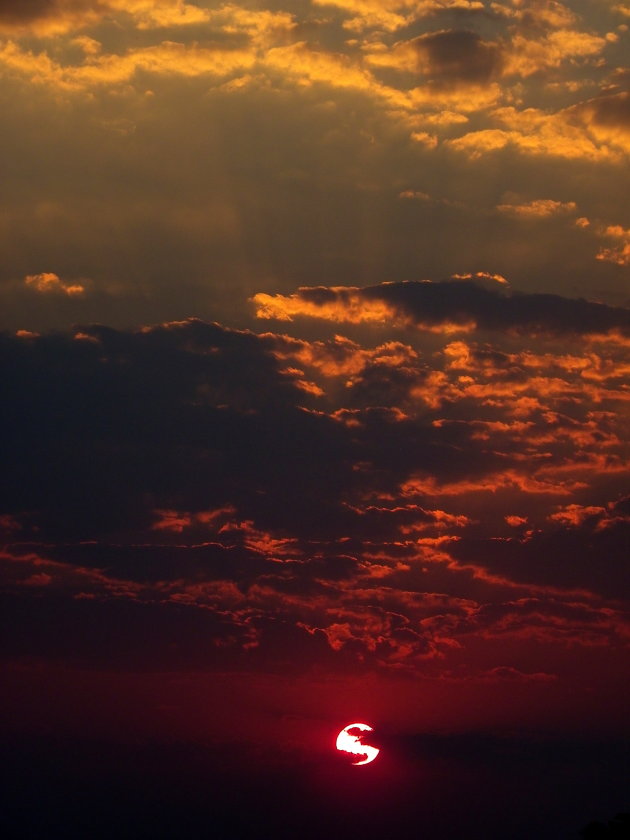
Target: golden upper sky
{"x": 165, "y": 158}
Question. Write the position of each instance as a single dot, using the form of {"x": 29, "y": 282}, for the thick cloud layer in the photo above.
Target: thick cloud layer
{"x": 456, "y": 306}
{"x": 188, "y": 495}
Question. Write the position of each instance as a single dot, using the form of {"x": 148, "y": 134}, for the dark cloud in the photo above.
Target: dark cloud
{"x": 108, "y": 427}
{"x": 123, "y": 633}
{"x": 608, "y": 110}
{"x": 343, "y": 521}
{"x": 152, "y": 563}
{"x": 28, "y": 9}
{"x": 458, "y": 57}
{"x": 460, "y": 303}
{"x": 32, "y": 11}
{"x": 591, "y": 552}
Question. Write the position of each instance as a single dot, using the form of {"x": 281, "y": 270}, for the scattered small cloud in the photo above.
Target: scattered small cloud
{"x": 49, "y": 283}
{"x": 515, "y": 521}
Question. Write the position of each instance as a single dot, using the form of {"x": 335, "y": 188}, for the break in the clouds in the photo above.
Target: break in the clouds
{"x": 187, "y": 155}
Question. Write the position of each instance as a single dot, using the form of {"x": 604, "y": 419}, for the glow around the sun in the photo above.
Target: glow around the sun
{"x": 352, "y": 743}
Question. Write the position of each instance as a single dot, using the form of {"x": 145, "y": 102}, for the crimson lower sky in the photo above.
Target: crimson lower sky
{"x": 315, "y": 346}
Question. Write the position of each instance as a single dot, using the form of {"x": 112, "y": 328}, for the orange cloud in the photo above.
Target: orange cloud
{"x": 618, "y": 254}
{"x": 171, "y": 520}
{"x": 446, "y": 308}
{"x": 515, "y": 521}
{"x": 341, "y": 356}
{"x": 337, "y": 303}
{"x": 50, "y": 283}
{"x": 344, "y": 304}
{"x": 507, "y": 480}
{"x": 178, "y": 521}
{"x": 575, "y": 515}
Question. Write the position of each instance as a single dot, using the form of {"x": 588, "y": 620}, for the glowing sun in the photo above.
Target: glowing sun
{"x": 352, "y": 743}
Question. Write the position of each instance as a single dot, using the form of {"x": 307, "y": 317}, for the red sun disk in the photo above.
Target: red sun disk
{"x": 352, "y": 744}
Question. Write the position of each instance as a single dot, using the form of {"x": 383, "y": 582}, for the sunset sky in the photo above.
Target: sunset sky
{"x": 316, "y": 349}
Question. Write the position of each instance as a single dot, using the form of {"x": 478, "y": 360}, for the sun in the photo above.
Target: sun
{"x": 350, "y": 742}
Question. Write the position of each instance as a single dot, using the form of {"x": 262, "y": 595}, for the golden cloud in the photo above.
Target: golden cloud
{"x": 312, "y": 67}
{"x": 46, "y": 18}
{"x": 538, "y": 208}
{"x": 160, "y": 13}
{"x": 168, "y": 58}
{"x": 390, "y": 15}
{"x": 536, "y": 133}
{"x": 349, "y": 307}
{"x": 528, "y": 56}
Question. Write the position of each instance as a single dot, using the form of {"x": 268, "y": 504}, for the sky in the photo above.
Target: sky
{"x": 315, "y": 329}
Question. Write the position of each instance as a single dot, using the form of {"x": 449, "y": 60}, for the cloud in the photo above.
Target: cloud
{"x": 619, "y": 254}
{"x": 505, "y": 672}
{"x": 391, "y": 15}
{"x": 537, "y": 133}
{"x": 527, "y": 56}
{"x": 538, "y": 208}
{"x": 296, "y": 99}
{"x": 456, "y": 306}
{"x": 49, "y": 283}
{"x": 441, "y": 482}
{"x": 584, "y": 549}
{"x": 49, "y": 17}
{"x": 447, "y": 57}
{"x": 607, "y": 117}
{"x": 46, "y": 18}
{"x": 317, "y": 66}
{"x": 167, "y": 58}
{"x": 179, "y": 476}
